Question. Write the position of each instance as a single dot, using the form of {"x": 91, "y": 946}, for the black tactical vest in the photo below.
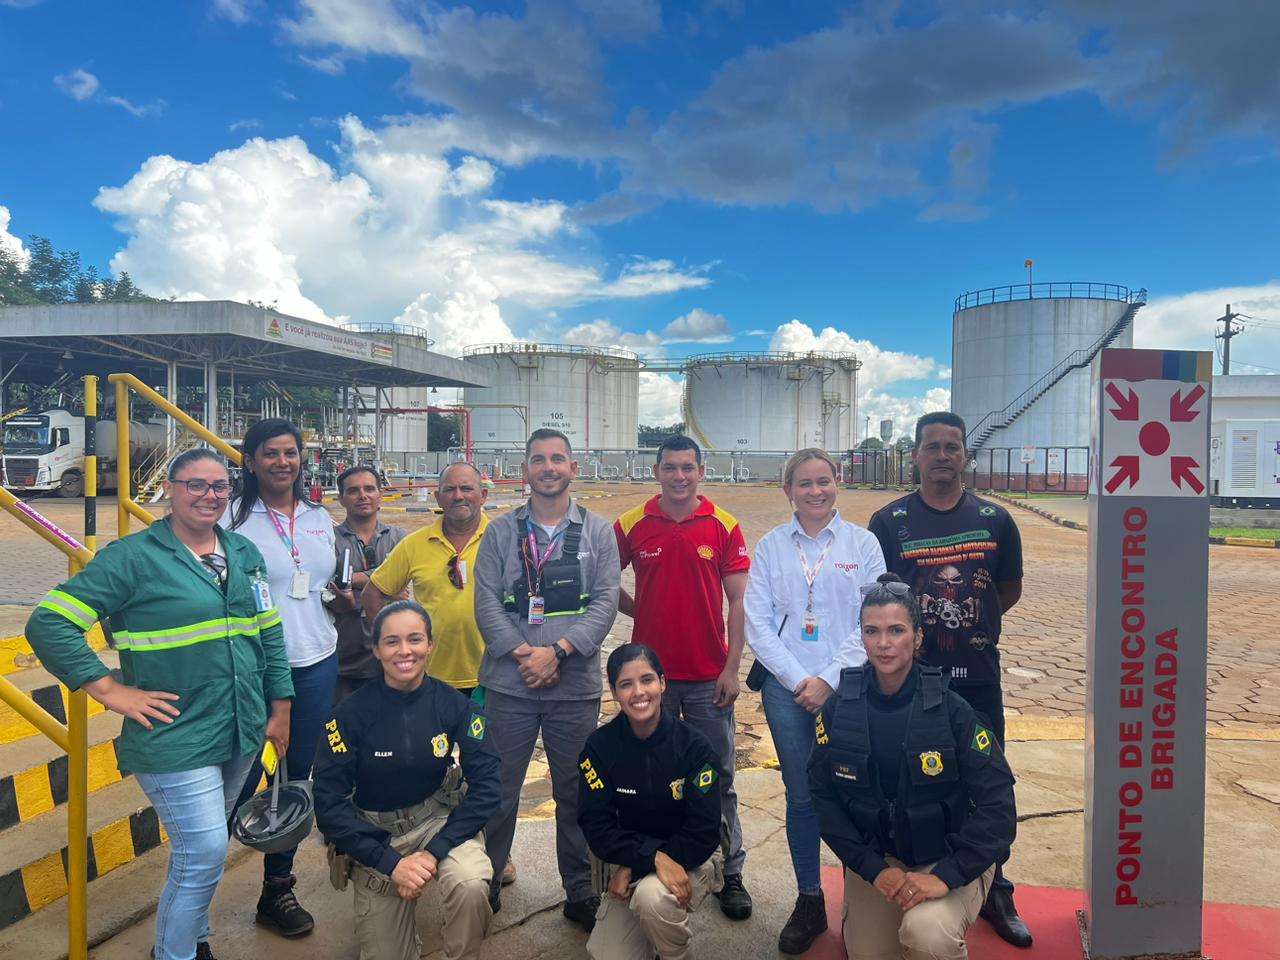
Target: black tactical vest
{"x": 932, "y": 801}
{"x": 561, "y": 578}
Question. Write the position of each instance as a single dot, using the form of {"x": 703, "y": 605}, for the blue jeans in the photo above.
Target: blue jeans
{"x": 193, "y": 805}
{"x": 792, "y": 729}
{"x": 313, "y": 688}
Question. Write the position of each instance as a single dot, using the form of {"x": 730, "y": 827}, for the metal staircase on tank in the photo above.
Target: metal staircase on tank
{"x": 999, "y": 419}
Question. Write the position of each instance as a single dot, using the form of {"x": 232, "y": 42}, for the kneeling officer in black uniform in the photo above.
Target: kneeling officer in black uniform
{"x": 913, "y": 793}
{"x": 390, "y": 800}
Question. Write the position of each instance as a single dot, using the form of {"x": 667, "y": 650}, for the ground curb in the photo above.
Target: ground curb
{"x": 1073, "y": 525}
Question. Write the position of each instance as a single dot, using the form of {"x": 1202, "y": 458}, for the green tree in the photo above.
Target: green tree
{"x": 15, "y": 280}
{"x": 871, "y": 443}
{"x": 444, "y": 430}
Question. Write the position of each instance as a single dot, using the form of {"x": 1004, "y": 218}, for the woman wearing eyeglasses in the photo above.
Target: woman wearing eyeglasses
{"x": 913, "y": 793}
{"x": 298, "y": 540}
{"x": 801, "y": 606}
{"x": 205, "y": 676}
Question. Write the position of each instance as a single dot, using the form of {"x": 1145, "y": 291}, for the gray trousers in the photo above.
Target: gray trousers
{"x": 513, "y": 727}
{"x": 693, "y": 701}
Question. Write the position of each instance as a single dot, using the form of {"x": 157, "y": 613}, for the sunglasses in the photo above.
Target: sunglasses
{"x": 198, "y": 488}
{"x": 216, "y": 564}
{"x": 895, "y": 587}
{"x": 455, "y": 575}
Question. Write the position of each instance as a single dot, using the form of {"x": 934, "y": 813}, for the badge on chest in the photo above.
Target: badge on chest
{"x": 440, "y": 745}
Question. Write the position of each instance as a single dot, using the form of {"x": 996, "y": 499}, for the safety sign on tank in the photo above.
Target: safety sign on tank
{"x": 1155, "y": 431}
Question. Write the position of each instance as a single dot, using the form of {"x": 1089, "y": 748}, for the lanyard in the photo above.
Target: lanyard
{"x": 811, "y": 574}
{"x": 532, "y": 558}
{"x": 286, "y": 538}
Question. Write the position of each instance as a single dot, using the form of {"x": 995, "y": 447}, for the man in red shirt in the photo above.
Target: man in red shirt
{"x": 688, "y": 555}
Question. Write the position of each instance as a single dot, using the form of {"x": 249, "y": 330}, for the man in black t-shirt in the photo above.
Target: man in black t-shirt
{"x": 963, "y": 558}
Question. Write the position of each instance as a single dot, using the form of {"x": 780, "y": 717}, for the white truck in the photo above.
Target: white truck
{"x": 45, "y": 451}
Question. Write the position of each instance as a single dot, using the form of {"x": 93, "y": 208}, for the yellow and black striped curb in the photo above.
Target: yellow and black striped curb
{"x": 29, "y": 793}
{"x": 16, "y": 654}
{"x": 27, "y": 889}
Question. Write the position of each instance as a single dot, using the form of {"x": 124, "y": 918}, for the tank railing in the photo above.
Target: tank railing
{"x": 993, "y": 421}
{"x": 747, "y": 356}
{"x": 391, "y": 329}
{"x": 1064, "y": 290}
{"x": 73, "y": 737}
{"x": 126, "y": 506}
{"x": 577, "y": 349}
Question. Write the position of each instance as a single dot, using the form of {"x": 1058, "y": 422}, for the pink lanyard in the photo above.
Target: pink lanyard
{"x": 810, "y": 575}
{"x": 287, "y": 538}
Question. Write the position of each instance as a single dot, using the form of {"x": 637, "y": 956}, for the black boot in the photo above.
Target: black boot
{"x": 808, "y": 919}
{"x": 735, "y": 902}
{"x": 1000, "y": 912}
{"x": 582, "y": 912}
{"x": 279, "y": 910}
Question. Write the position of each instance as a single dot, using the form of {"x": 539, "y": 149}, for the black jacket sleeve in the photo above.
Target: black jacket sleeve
{"x": 693, "y": 844}
{"x": 484, "y": 783}
{"x": 989, "y": 830}
{"x": 334, "y": 786}
{"x": 834, "y": 823}
{"x": 888, "y": 546}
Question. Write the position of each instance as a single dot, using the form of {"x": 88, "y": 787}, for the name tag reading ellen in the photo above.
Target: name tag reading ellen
{"x": 537, "y": 610}
{"x": 300, "y": 585}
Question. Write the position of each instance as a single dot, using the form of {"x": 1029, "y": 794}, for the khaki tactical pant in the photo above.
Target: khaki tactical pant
{"x": 385, "y": 922}
{"x": 877, "y": 929}
{"x": 650, "y": 921}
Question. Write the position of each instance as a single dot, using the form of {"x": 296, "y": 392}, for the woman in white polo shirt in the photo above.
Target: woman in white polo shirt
{"x": 802, "y": 604}
{"x": 299, "y": 545}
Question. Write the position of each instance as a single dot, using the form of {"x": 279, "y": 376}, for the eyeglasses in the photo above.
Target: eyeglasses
{"x": 455, "y": 574}
{"x": 216, "y": 564}
{"x": 895, "y": 587}
{"x": 198, "y": 488}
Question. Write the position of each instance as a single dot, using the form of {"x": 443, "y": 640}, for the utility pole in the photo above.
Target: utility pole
{"x": 1225, "y": 336}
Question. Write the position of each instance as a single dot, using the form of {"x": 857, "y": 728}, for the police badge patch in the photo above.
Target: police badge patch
{"x": 440, "y": 745}
{"x": 677, "y": 789}
{"x": 931, "y": 763}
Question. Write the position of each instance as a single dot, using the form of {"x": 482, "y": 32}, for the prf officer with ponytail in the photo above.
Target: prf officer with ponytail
{"x": 912, "y": 791}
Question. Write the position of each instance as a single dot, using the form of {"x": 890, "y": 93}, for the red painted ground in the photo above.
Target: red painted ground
{"x": 1231, "y": 932}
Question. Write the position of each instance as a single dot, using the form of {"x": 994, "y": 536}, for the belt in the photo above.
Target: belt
{"x": 402, "y": 821}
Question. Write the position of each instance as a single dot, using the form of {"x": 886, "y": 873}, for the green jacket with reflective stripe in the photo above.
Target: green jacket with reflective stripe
{"x": 178, "y": 632}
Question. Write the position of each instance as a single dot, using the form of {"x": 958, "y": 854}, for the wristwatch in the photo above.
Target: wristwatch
{"x": 561, "y": 653}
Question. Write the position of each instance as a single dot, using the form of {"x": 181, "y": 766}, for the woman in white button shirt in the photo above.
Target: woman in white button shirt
{"x": 299, "y": 544}
{"x": 802, "y": 606}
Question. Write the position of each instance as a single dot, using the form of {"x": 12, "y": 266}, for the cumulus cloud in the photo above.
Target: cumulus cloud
{"x": 698, "y": 326}
{"x": 604, "y": 333}
{"x": 237, "y": 11}
{"x": 79, "y": 84}
{"x": 660, "y": 395}
{"x": 392, "y": 231}
{"x": 367, "y": 26}
{"x": 1189, "y": 321}
{"x": 8, "y": 242}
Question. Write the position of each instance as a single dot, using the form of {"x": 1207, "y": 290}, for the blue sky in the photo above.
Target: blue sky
{"x": 673, "y": 177}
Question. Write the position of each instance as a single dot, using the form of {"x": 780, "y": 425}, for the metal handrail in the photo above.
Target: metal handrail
{"x": 746, "y": 356}
{"x": 126, "y": 506}
{"x": 577, "y": 349}
{"x": 1054, "y": 290}
{"x": 390, "y": 329}
{"x": 72, "y": 737}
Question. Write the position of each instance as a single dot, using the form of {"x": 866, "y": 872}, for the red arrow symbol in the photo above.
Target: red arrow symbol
{"x": 1180, "y": 407}
{"x": 1126, "y": 409}
{"x": 1128, "y": 468}
{"x": 1180, "y": 468}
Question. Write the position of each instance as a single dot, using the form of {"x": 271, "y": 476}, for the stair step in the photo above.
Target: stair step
{"x": 44, "y": 688}
{"x": 33, "y": 854}
{"x": 33, "y": 771}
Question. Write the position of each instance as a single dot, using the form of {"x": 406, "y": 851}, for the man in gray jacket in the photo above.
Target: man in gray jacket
{"x": 547, "y": 580}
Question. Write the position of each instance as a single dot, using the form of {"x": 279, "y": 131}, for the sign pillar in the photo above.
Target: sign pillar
{"x": 1146, "y": 656}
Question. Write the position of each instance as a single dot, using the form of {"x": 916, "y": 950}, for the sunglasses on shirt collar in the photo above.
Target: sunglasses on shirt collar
{"x": 455, "y": 574}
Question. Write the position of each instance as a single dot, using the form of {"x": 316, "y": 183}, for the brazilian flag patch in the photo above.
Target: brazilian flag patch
{"x": 475, "y": 729}
{"x": 982, "y": 739}
{"x": 705, "y": 778}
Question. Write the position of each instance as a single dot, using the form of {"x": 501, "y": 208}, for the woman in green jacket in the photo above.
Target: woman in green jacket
{"x": 205, "y": 676}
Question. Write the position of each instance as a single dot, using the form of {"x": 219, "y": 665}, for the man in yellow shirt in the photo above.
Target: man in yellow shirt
{"x": 439, "y": 561}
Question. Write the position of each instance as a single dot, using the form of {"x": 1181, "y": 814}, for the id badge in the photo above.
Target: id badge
{"x": 537, "y": 610}
{"x": 300, "y": 585}
{"x": 261, "y": 596}
{"x": 809, "y": 628}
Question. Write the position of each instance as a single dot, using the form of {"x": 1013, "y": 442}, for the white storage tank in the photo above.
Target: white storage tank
{"x": 1020, "y": 361}
{"x": 402, "y": 430}
{"x": 590, "y": 394}
{"x": 771, "y": 401}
